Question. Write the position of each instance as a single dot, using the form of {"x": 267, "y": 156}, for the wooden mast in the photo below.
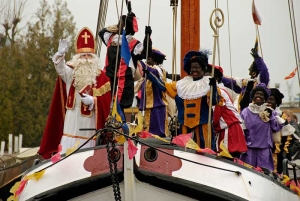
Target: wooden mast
{"x": 190, "y": 28}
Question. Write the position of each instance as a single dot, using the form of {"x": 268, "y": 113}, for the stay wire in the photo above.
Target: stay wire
{"x": 111, "y": 129}
{"x": 174, "y": 57}
{"x": 294, "y": 34}
{"x": 184, "y": 159}
{"x": 145, "y": 74}
{"x": 115, "y": 89}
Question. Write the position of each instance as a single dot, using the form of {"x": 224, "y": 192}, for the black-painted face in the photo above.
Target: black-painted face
{"x": 271, "y": 102}
{"x": 196, "y": 71}
{"x": 252, "y": 73}
{"x": 121, "y": 24}
{"x": 259, "y": 98}
{"x": 150, "y": 61}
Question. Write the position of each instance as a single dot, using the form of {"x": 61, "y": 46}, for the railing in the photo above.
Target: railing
{"x": 285, "y": 164}
{"x": 5, "y": 163}
{"x": 290, "y": 105}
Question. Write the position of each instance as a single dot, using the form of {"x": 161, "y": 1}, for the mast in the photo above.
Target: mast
{"x": 190, "y": 28}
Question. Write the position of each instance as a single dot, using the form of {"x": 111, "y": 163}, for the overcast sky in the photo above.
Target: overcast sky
{"x": 275, "y": 32}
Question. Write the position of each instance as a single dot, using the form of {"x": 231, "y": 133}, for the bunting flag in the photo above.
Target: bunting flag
{"x": 117, "y": 112}
{"x": 291, "y": 75}
{"x": 182, "y": 139}
{"x": 224, "y": 151}
{"x": 191, "y": 144}
{"x": 17, "y": 190}
{"x": 145, "y": 135}
{"x": 72, "y": 149}
{"x": 286, "y": 180}
{"x": 255, "y": 15}
{"x": 125, "y": 51}
{"x": 206, "y": 151}
{"x": 295, "y": 187}
{"x": 57, "y": 156}
{"x": 132, "y": 149}
{"x": 35, "y": 176}
{"x": 120, "y": 139}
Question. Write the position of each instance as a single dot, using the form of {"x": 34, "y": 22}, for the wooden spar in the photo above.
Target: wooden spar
{"x": 190, "y": 28}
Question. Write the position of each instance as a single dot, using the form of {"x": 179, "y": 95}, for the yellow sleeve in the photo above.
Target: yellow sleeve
{"x": 171, "y": 89}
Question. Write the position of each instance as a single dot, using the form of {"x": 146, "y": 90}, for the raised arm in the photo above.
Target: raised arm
{"x": 140, "y": 49}
{"x": 232, "y": 83}
{"x": 153, "y": 76}
{"x": 107, "y": 32}
{"x": 263, "y": 73}
{"x": 59, "y": 61}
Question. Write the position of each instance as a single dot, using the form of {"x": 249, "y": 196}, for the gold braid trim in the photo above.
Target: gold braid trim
{"x": 287, "y": 143}
{"x": 275, "y": 161}
{"x": 221, "y": 100}
{"x": 277, "y": 148}
{"x": 159, "y": 81}
{"x": 102, "y": 90}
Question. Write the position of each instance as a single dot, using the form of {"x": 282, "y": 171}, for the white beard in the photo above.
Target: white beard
{"x": 85, "y": 70}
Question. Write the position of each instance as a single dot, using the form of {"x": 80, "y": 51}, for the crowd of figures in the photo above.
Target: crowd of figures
{"x": 249, "y": 124}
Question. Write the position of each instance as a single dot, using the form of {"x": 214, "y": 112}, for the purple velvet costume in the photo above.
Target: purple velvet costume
{"x": 259, "y": 138}
{"x": 263, "y": 77}
{"x": 156, "y": 103}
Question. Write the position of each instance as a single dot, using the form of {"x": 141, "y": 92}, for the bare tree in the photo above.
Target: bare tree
{"x": 11, "y": 15}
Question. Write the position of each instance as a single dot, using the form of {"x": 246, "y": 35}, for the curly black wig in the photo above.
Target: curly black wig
{"x": 262, "y": 88}
{"x": 277, "y": 95}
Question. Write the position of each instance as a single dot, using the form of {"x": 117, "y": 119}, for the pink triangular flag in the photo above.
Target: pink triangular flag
{"x": 182, "y": 139}
{"x": 57, "y": 156}
{"x": 145, "y": 134}
{"x": 131, "y": 149}
{"x": 21, "y": 187}
{"x": 207, "y": 151}
{"x": 255, "y": 15}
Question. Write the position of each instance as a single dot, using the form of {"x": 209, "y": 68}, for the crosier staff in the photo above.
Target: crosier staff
{"x": 218, "y": 22}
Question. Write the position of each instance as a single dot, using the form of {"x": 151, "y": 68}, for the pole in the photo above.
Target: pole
{"x": 218, "y": 22}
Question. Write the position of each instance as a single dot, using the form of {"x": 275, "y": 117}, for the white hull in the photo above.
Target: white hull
{"x": 167, "y": 178}
{"x": 144, "y": 192}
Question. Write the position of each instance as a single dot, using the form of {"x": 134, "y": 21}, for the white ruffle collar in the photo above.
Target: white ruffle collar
{"x": 188, "y": 89}
{"x": 278, "y": 111}
{"x": 116, "y": 37}
{"x": 257, "y": 109}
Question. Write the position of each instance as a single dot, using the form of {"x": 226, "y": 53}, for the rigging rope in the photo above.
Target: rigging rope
{"x": 113, "y": 128}
{"x": 145, "y": 74}
{"x": 230, "y": 55}
{"x": 294, "y": 33}
{"x": 174, "y": 41}
{"x": 174, "y": 121}
{"x": 115, "y": 89}
{"x": 100, "y": 24}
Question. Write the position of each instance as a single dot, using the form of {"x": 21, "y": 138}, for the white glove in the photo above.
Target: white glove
{"x": 62, "y": 47}
{"x": 88, "y": 100}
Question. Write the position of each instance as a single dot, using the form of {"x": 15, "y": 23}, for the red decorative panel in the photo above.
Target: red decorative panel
{"x": 98, "y": 163}
{"x": 164, "y": 164}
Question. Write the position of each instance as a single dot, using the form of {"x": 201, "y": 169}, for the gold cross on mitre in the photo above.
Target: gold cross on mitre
{"x": 85, "y": 36}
